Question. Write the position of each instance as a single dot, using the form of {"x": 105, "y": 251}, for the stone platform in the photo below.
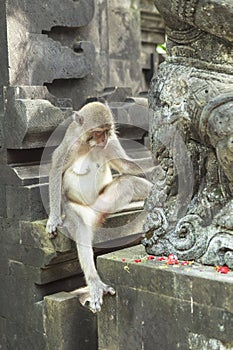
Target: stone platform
{"x": 164, "y": 307}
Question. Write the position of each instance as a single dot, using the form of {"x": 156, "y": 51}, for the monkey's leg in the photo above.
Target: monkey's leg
{"x": 121, "y": 192}
{"x": 78, "y": 223}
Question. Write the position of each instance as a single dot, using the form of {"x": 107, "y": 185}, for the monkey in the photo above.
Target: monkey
{"x": 82, "y": 189}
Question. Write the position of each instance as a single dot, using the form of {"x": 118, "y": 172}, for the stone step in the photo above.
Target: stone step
{"x": 67, "y": 324}
{"x": 57, "y": 258}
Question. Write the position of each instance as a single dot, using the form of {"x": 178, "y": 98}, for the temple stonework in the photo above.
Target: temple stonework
{"x": 191, "y": 132}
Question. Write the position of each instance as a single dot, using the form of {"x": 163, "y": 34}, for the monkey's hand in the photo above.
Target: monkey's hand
{"x": 94, "y": 298}
{"x": 52, "y": 224}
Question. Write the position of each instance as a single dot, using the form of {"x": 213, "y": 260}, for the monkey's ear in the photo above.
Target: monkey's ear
{"x": 78, "y": 118}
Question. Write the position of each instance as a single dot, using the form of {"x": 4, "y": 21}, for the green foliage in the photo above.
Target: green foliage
{"x": 161, "y": 49}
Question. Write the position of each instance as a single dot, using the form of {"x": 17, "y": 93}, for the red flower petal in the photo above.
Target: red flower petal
{"x": 172, "y": 261}
{"x": 223, "y": 269}
{"x": 184, "y": 263}
{"x": 161, "y": 258}
{"x": 150, "y": 257}
{"x": 137, "y": 260}
{"x": 123, "y": 259}
{"x": 173, "y": 257}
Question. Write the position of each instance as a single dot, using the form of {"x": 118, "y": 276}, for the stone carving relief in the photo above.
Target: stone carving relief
{"x": 191, "y": 132}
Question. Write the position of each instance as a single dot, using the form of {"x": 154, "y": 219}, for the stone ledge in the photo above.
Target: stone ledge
{"x": 57, "y": 258}
{"x": 67, "y": 324}
{"x": 164, "y": 307}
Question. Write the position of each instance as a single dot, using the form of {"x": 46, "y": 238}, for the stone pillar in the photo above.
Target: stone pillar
{"x": 191, "y": 132}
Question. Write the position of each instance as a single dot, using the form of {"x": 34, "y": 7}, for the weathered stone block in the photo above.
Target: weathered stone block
{"x": 38, "y": 249}
{"x": 38, "y": 15}
{"x": 47, "y": 60}
{"x": 24, "y": 175}
{"x": 20, "y": 293}
{"x": 116, "y": 94}
{"x": 67, "y": 324}
{"x": 24, "y": 203}
{"x": 55, "y": 259}
{"x": 3, "y": 45}
{"x": 24, "y": 92}
{"x": 3, "y": 331}
{"x": 4, "y": 263}
{"x": 125, "y": 40}
{"x": 164, "y": 307}
{"x": 21, "y": 337}
{"x": 124, "y": 43}
{"x": 9, "y": 231}
{"x": 39, "y": 59}
{"x": 28, "y": 122}
{"x": 2, "y": 201}
{"x": 132, "y": 113}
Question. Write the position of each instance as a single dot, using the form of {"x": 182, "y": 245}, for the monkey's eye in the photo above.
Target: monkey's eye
{"x": 94, "y": 135}
{"x": 97, "y": 134}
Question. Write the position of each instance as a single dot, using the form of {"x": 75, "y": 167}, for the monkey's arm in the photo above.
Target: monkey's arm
{"x": 132, "y": 166}
{"x": 60, "y": 161}
{"x": 55, "y": 185}
{"x": 121, "y": 162}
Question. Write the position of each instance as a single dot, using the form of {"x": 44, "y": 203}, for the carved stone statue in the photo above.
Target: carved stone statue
{"x": 191, "y": 132}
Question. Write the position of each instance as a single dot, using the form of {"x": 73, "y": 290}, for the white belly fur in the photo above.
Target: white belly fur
{"x": 84, "y": 180}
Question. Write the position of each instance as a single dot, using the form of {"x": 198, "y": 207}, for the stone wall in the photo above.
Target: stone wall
{"x": 160, "y": 306}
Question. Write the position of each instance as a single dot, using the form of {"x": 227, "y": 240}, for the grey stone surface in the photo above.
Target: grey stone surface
{"x": 24, "y": 203}
{"x": 38, "y": 57}
{"x": 24, "y": 175}
{"x": 124, "y": 44}
{"x": 37, "y": 15}
{"x": 131, "y": 113}
{"x": 57, "y": 30}
{"x": 3, "y": 40}
{"x": 30, "y": 114}
{"x": 164, "y": 307}
{"x": 3, "y": 329}
{"x": 3, "y": 201}
{"x": 190, "y": 206}
{"x": 117, "y": 60}
{"x": 30, "y": 123}
{"x": 152, "y": 34}
{"x": 67, "y": 324}
{"x": 40, "y": 250}
{"x": 43, "y": 60}
{"x": 18, "y": 337}
{"x": 24, "y": 92}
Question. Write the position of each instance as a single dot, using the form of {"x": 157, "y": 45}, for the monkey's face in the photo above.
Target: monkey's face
{"x": 98, "y": 136}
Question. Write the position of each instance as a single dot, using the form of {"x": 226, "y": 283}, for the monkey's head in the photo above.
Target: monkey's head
{"x": 97, "y": 123}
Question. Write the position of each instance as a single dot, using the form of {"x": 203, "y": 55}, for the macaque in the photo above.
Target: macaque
{"x": 82, "y": 189}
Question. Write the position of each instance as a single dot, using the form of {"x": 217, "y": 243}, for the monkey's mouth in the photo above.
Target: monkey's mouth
{"x": 93, "y": 143}
{"x": 102, "y": 144}
{"x": 101, "y": 141}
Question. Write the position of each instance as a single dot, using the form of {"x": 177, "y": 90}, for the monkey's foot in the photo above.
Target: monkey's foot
{"x": 93, "y": 296}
